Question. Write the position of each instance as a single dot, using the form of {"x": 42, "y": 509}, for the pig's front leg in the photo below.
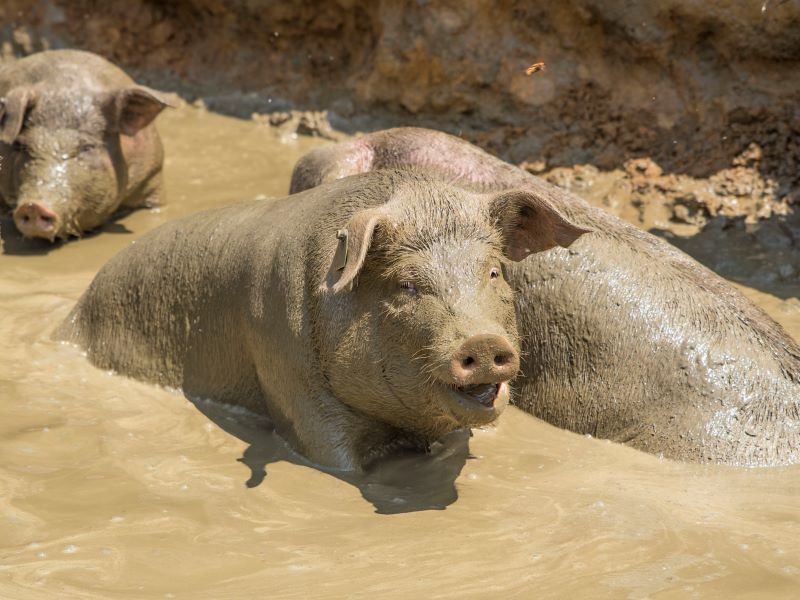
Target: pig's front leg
{"x": 325, "y": 431}
{"x": 334, "y": 436}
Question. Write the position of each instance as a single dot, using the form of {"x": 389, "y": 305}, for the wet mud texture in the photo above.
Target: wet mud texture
{"x": 728, "y": 221}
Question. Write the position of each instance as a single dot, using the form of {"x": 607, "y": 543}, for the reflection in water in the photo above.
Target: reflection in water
{"x": 13, "y": 244}
{"x": 414, "y": 481}
{"x": 404, "y": 483}
{"x": 112, "y": 488}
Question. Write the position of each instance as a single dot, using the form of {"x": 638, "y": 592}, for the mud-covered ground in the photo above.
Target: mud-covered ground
{"x": 682, "y": 117}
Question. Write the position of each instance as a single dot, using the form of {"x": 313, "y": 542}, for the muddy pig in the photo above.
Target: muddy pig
{"x": 623, "y": 336}
{"x": 363, "y": 316}
{"x": 76, "y": 143}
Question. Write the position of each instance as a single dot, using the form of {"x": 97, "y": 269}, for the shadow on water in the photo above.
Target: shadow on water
{"x": 13, "y": 244}
{"x": 406, "y": 483}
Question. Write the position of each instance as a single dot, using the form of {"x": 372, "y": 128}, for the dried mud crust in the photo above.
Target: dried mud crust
{"x": 740, "y": 222}
{"x": 642, "y": 193}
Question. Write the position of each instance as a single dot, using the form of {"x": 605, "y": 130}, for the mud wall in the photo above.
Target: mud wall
{"x": 690, "y": 84}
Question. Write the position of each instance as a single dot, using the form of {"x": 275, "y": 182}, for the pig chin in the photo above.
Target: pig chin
{"x": 441, "y": 407}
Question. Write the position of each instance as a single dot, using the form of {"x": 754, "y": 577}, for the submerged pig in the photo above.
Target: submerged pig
{"x": 76, "y": 143}
{"x": 623, "y": 336}
{"x": 363, "y": 316}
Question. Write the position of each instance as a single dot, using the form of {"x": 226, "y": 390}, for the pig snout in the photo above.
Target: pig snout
{"x": 479, "y": 368}
{"x": 476, "y": 376}
{"x": 483, "y": 359}
{"x": 35, "y": 220}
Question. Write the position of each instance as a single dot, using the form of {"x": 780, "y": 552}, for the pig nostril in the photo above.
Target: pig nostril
{"x": 501, "y": 359}
{"x": 46, "y": 219}
{"x": 467, "y": 362}
{"x": 25, "y": 218}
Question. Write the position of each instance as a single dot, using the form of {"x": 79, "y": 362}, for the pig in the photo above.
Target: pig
{"x": 623, "y": 336}
{"x": 77, "y": 143}
{"x": 364, "y": 317}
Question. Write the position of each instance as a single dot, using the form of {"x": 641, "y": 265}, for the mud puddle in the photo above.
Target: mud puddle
{"x": 111, "y": 488}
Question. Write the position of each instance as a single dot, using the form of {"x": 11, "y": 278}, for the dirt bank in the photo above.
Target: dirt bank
{"x": 689, "y": 84}
{"x": 687, "y": 113}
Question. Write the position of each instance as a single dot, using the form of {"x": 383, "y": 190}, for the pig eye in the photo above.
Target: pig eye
{"x": 86, "y": 148}
{"x": 408, "y": 286}
{"x": 494, "y": 273}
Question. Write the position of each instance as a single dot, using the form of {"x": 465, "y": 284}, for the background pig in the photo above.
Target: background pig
{"x": 76, "y": 143}
{"x": 364, "y": 316}
{"x": 623, "y": 336}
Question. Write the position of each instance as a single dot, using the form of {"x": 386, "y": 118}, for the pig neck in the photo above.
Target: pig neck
{"x": 393, "y": 441}
{"x": 353, "y": 441}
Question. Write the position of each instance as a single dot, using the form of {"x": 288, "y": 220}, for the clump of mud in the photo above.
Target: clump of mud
{"x": 642, "y": 193}
{"x": 292, "y": 123}
{"x": 740, "y": 221}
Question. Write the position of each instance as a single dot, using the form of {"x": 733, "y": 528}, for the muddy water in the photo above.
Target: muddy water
{"x": 110, "y": 488}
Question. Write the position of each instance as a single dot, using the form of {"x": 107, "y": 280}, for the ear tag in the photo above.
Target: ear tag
{"x": 340, "y": 258}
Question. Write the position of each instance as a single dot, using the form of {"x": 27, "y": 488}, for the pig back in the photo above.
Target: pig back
{"x": 197, "y": 302}
{"x": 627, "y": 338}
{"x": 63, "y": 68}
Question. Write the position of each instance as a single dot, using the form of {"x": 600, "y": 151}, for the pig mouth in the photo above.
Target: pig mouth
{"x": 483, "y": 393}
{"x": 477, "y": 404}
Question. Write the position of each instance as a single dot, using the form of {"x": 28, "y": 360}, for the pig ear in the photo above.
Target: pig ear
{"x": 136, "y": 107}
{"x": 13, "y": 108}
{"x": 531, "y": 224}
{"x": 352, "y": 245}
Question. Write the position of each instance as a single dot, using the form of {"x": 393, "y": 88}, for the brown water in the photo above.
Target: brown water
{"x": 111, "y": 488}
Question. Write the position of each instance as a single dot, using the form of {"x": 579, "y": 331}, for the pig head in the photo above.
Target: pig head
{"x": 72, "y": 155}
